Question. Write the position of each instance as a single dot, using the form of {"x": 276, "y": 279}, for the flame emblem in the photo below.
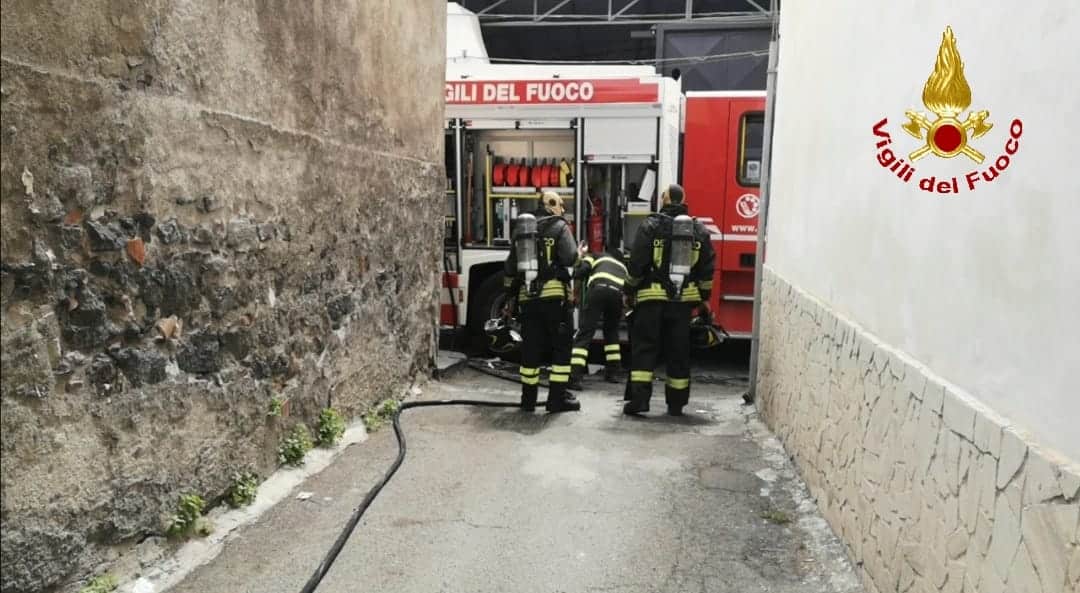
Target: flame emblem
{"x": 947, "y": 95}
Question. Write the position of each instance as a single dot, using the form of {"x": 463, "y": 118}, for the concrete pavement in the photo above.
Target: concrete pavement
{"x": 496, "y": 500}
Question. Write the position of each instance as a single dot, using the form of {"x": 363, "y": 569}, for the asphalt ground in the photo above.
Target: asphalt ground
{"x": 499, "y": 500}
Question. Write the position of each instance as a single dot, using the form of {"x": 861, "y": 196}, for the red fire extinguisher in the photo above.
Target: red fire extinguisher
{"x": 596, "y": 226}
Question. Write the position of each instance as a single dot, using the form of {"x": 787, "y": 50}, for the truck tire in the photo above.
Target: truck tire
{"x": 487, "y": 302}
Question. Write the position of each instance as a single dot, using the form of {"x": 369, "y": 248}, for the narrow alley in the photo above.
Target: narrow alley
{"x": 499, "y": 500}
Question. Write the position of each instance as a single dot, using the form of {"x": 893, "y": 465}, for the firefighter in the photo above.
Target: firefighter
{"x": 602, "y": 277}
{"x": 537, "y": 278}
{"x": 670, "y": 274}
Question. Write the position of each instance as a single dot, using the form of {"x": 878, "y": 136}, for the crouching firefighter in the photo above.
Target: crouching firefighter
{"x": 602, "y": 277}
{"x": 537, "y": 281}
{"x": 671, "y": 269}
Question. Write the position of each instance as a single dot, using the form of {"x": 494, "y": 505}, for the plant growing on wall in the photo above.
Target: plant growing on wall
{"x": 101, "y": 584}
{"x": 294, "y": 446}
{"x": 277, "y": 406}
{"x": 189, "y": 509}
{"x": 378, "y": 415}
{"x": 331, "y": 427}
{"x": 242, "y": 491}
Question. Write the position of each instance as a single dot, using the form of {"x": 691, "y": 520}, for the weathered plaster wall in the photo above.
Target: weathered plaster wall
{"x": 930, "y": 490}
{"x": 979, "y": 286}
{"x": 268, "y": 175}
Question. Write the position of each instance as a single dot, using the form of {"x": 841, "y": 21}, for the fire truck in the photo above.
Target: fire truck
{"x": 608, "y": 139}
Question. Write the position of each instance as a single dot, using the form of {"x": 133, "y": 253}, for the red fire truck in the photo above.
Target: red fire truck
{"x": 608, "y": 139}
{"x": 609, "y": 146}
{"x": 722, "y": 143}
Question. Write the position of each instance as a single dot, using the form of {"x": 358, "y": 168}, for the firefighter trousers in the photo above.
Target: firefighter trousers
{"x": 660, "y": 327}
{"x": 603, "y": 307}
{"x": 545, "y": 335}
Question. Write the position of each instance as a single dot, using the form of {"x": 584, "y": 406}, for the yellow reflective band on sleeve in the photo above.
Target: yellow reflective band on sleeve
{"x": 588, "y": 259}
{"x": 613, "y": 278}
{"x": 641, "y": 376}
{"x": 578, "y": 362}
{"x": 581, "y": 352}
{"x": 611, "y": 260}
{"x": 530, "y": 380}
{"x": 613, "y": 356}
{"x": 559, "y": 378}
{"x": 560, "y": 368}
{"x": 508, "y": 281}
{"x": 611, "y": 348}
{"x": 678, "y": 383}
{"x": 705, "y": 285}
{"x": 691, "y": 294}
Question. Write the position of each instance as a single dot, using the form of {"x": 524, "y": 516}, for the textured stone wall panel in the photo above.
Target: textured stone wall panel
{"x": 204, "y": 206}
{"x": 930, "y": 490}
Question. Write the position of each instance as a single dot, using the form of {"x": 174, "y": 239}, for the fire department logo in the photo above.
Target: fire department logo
{"x": 947, "y": 95}
{"x": 747, "y": 205}
{"x": 949, "y": 132}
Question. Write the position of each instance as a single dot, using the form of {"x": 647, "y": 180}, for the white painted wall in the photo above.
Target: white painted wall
{"x": 982, "y": 287}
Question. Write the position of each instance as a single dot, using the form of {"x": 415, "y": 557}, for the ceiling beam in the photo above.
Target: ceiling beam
{"x": 557, "y": 7}
{"x": 757, "y": 6}
{"x": 491, "y": 6}
{"x": 628, "y": 6}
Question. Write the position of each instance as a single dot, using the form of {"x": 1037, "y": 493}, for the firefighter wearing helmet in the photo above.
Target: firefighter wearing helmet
{"x": 537, "y": 278}
{"x": 670, "y": 274}
{"x": 602, "y": 276}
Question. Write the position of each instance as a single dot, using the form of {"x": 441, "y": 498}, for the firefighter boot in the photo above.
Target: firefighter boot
{"x": 528, "y": 398}
{"x": 612, "y": 372}
{"x": 639, "y": 395}
{"x": 575, "y": 379}
{"x": 560, "y": 400}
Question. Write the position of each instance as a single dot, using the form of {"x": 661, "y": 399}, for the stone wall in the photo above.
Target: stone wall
{"x": 205, "y": 205}
{"x": 930, "y": 490}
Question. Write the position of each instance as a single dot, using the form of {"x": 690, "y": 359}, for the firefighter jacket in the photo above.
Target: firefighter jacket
{"x": 648, "y": 280}
{"x": 556, "y": 252}
{"x": 604, "y": 269}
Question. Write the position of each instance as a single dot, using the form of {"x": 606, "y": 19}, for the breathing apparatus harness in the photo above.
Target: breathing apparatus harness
{"x": 673, "y": 250}
{"x": 535, "y": 251}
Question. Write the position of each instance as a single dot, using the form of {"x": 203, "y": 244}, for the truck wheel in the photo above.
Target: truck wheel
{"x": 485, "y": 304}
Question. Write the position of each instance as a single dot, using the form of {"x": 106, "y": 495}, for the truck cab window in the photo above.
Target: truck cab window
{"x": 751, "y": 138}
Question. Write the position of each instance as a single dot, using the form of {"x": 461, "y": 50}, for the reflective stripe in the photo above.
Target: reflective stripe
{"x": 529, "y": 372}
{"x": 641, "y": 376}
{"x": 581, "y": 351}
{"x": 656, "y": 292}
{"x": 578, "y": 362}
{"x": 611, "y": 348}
{"x": 610, "y": 277}
{"x": 508, "y": 281}
{"x": 653, "y": 292}
{"x": 611, "y": 260}
{"x": 559, "y": 368}
{"x": 551, "y": 288}
{"x": 678, "y": 383}
{"x": 612, "y": 356}
{"x": 560, "y": 378}
{"x": 588, "y": 259}
{"x": 706, "y": 285}
{"x": 530, "y": 380}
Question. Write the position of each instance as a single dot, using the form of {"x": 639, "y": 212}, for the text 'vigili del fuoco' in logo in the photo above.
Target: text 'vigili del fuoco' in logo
{"x": 947, "y": 95}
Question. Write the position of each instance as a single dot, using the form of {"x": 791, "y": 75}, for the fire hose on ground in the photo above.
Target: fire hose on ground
{"x": 354, "y": 520}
